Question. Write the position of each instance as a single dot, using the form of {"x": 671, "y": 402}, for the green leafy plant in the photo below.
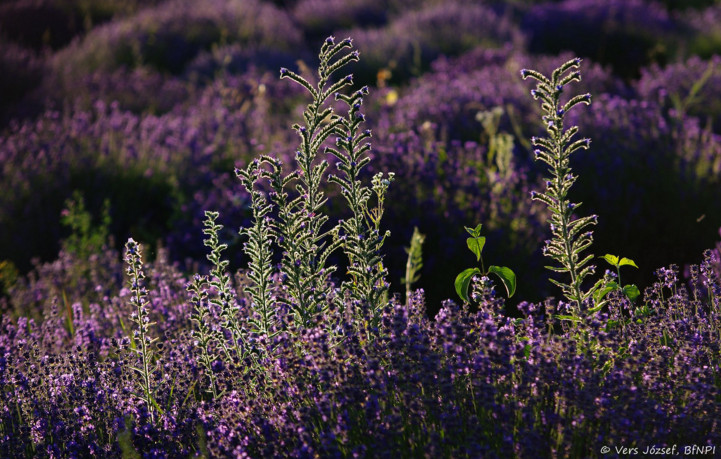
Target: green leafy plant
{"x": 630, "y": 291}
{"x": 500, "y": 144}
{"x": 85, "y": 238}
{"x": 8, "y": 276}
{"x": 463, "y": 280}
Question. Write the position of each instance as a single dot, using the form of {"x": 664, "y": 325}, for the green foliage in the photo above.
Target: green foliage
{"x": 85, "y": 238}
{"x": 475, "y": 244}
{"x": 361, "y": 239}
{"x": 569, "y": 238}
{"x": 8, "y": 276}
{"x": 500, "y": 144}
{"x": 300, "y": 228}
{"x": 414, "y": 264}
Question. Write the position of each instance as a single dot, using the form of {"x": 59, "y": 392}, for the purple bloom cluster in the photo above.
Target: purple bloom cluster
{"x": 320, "y": 18}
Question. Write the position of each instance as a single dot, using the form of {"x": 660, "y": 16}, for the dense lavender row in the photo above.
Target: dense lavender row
{"x": 465, "y": 384}
{"x": 167, "y": 36}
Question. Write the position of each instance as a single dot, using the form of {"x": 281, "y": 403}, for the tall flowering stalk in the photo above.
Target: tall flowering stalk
{"x": 142, "y": 341}
{"x": 225, "y": 301}
{"x": 569, "y": 236}
{"x": 361, "y": 237}
{"x": 301, "y": 232}
{"x": 260, "y": 250}
{"x": 204, "y": 334}
{"x": 296, "y": 222}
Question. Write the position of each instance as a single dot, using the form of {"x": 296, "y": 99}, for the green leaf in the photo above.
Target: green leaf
{"x": 507, "y": 276}
{"x": 605, "y": 290}
{"x": 643, "y": 311}
{"x": 463, "y": 281}
{"x": 631, "y": 292}
{"x": 627, "y": 262}
{"x": 610, "y": 259}
{"x": 475, "y": 232}
{"x": 475, "y": 244}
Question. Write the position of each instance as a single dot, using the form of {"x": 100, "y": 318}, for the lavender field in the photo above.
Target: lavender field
{"x": 360, "y": 228}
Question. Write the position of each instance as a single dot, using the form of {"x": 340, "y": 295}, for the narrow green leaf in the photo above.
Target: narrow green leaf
{"x": 463, "y": 281}
{"x": 557, "y": 269}
{"x": 568, "y": 318}
{"x": 507, "y": 276}
{"x": 475, "y": 244}
{"x": 665, "y": 338}
{"x": 627, "y": 262}
{"x": 155, "y": 404}
{"x": 598, "y": 307}
{"x": 631, "y": 292}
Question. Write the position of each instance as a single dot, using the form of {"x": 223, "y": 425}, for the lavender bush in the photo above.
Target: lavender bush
{"x": 152, "y": 168}
{"x": 703, "y": 38}
{"x": 688, "y": 88}
{"x": 50, "y": 24}
{"x": 605, "y": 31}
{"x": 449, "y": 28}
{"x": 179, "y": 30}
{"x": 20, "y": 72}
